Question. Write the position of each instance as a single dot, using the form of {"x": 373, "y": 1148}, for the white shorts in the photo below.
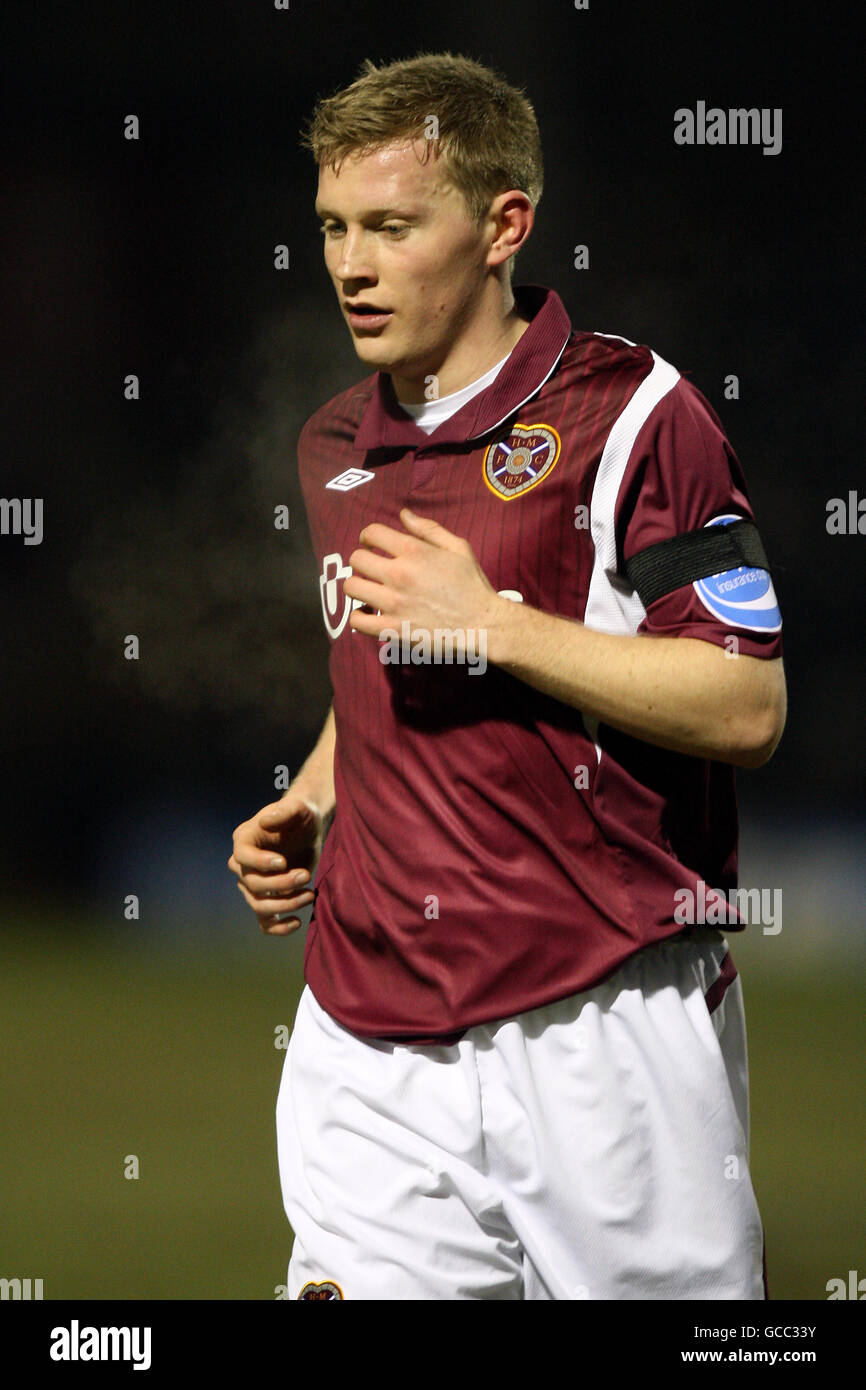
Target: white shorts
{"x": 593, "y": 1148}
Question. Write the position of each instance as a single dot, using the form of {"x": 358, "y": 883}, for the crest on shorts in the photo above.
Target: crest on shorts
{"x": 520, "y": 462}
{"x": 326, "y": 1289}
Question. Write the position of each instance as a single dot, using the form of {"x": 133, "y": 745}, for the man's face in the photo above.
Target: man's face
{"x": 398, "y": 236}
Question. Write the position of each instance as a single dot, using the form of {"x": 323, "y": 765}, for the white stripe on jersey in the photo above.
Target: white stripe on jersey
{"x": 612, "y": 604}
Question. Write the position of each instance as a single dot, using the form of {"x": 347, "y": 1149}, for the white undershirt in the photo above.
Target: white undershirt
{"x": 429, "y": 415}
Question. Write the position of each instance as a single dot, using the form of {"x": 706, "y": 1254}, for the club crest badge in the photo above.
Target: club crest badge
{"x": 518, "y": 463}
{"x": 326, "y": 1289}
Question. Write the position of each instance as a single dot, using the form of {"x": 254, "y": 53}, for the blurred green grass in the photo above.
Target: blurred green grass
{"x": 109, "y": 1051}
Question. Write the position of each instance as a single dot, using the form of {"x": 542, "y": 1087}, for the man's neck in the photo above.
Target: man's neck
{"x": 467, "y": 366}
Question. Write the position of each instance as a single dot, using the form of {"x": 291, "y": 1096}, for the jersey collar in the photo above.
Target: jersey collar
{"x": 533, "y": 359}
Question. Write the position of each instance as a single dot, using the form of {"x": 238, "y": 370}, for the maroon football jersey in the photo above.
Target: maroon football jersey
{"x": 492, "y": 850}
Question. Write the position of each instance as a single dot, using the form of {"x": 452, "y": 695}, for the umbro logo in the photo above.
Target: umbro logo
{"x": 352, "y": 477}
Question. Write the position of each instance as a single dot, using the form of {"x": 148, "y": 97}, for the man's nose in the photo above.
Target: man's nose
{"x": 354, "y": 262}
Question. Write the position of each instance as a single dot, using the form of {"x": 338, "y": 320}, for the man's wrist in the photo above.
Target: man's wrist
{"x": 311, "y": 796}
{"x": 505, "y": 631}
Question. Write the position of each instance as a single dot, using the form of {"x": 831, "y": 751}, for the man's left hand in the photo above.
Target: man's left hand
{"x": 428, "y": 577}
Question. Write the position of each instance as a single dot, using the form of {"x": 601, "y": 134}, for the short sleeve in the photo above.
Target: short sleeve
{"x": 683, "y": 474}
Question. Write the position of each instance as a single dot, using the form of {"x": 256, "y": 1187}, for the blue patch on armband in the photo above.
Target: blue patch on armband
{"x": 744, "y": 597}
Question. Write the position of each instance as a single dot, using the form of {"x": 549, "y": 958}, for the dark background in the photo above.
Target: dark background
{"x": 156, "y": 257}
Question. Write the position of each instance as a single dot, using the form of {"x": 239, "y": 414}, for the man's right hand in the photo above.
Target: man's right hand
{"x": 282, "y": 841}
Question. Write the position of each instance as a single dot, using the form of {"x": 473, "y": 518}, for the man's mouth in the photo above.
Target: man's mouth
{"x": 367, "y": 315}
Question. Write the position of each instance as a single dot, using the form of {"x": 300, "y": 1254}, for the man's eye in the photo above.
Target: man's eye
{"x": 394, "y": 229}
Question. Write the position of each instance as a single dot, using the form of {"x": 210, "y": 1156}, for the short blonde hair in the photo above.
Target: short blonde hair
{"x": 487, "y": 133}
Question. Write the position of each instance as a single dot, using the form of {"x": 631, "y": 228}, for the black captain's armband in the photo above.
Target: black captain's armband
{"x": 669, "y": 565}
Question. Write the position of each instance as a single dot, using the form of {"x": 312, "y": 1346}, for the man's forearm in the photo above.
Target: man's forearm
{"x": 315, "y": 781}
{"x": 675, "y": 692}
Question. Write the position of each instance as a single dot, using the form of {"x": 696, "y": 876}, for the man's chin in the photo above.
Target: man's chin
{"x": 376, "y": 355}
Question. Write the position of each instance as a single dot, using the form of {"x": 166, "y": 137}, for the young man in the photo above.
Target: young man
{"x": 517, "y": 1069}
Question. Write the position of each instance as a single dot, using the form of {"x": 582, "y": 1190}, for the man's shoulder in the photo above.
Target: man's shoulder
{"x": 607, "y": 349}
{"x": 337, "y": 418}
{"x": 591, "y": 355}
{"x": 609, "y": 362}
